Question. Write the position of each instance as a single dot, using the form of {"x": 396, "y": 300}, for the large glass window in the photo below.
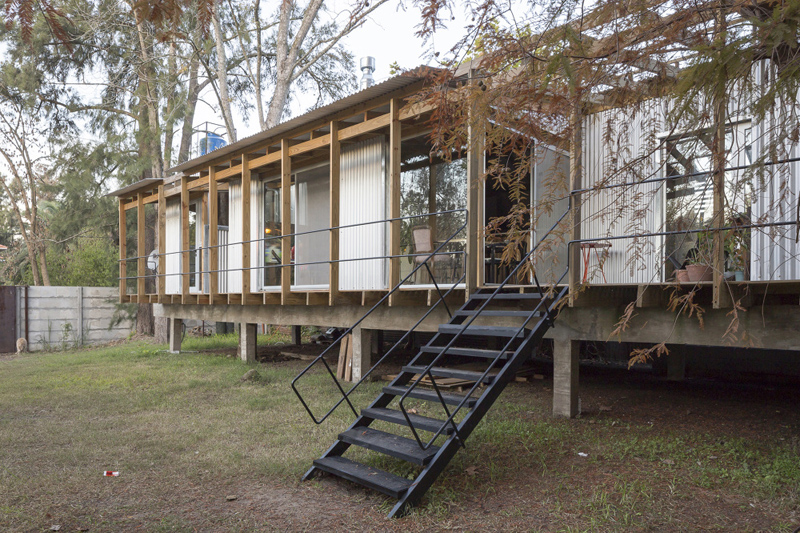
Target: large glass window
{"x": 272, "y": 234}
{"x": 690, "y": 197}
{"x": 427, "y": 187}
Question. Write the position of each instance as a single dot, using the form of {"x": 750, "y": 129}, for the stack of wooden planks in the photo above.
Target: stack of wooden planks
{"x": 344, "y": 370}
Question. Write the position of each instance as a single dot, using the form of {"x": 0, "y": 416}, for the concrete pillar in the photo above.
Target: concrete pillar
{"x": 297, "y": 332}
{"x": 565, "y": 378}
{"x": 247, "y": 342}
{"x": 362, "y": 351}
{"x": 676, "y": 363}
{"x": 175, "y": 335}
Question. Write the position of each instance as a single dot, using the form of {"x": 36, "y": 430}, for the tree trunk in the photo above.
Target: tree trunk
{"x": 191, "y": 105}
{"x": 222, "y": 75}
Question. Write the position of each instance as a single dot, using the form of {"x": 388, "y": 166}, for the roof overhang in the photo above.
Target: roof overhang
{"x": 370, "y": 93}
{"x": 141, "y": 185}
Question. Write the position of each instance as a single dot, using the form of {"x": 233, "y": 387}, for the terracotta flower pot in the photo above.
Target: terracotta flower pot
{"x": 700, "y": 272}
{"x": 682, "y": 276}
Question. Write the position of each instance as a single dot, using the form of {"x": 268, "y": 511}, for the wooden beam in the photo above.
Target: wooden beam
{"x": 476, "y": 147}
{"x": 575, "y": 180}
{"x": 368, "y": 126}
{"x": 213, "y": 237}
{"x": 123, "y": 253}
{"x": 185, "y": 239}
{"x": 246, "y": 197}
{"x": 286, "y": 222}
{"x": 202, "y": 221}
{"x": 141, "y": 252}
{"x": 335, "y": 181}
{"x": 394, "y": 192}
{"x": 162, "y": 242}
{"x": 233, "y": 170}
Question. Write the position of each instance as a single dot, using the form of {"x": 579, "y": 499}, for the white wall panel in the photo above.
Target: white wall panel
{"x": 363, "y": 198}
{"x": 173, "y": 244}
{"x": 624, "y": 145}
{"x": 234, "y": 248}
{"x": 773, "y": 251}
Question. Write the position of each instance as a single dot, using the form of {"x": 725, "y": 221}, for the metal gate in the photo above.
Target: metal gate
{"x": 8, "y": 319}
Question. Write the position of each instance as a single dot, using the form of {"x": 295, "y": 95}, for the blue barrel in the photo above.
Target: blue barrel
{"x": 211, "y": 142}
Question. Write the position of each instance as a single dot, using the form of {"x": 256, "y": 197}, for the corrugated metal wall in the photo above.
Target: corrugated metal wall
{"x": 773, "y": 251}
{"x": 256, "y": 232}
{"x": 222, "y": 259}
{"x": 363, "y": 198}
{"x": 624, "y": 144}
{"x": 234, "y": 248}
{"x": 173, "y": 244}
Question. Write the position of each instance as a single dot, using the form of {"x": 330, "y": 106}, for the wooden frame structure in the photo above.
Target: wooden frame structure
{"x": 382, "y": 110}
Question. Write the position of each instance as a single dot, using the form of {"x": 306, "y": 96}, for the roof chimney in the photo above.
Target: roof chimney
{"x": 367, "y": 68}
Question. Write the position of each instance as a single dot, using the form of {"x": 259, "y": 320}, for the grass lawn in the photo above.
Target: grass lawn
{"x": 186, "y": 434}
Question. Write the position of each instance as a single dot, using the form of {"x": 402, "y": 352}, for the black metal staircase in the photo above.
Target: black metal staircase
{"x": 498, "y": 329}
{"x": 531, "y": 313}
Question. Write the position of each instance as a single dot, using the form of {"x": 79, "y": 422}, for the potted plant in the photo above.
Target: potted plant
{"x": 698, "y": 265}
{"x": 736, "y": 253}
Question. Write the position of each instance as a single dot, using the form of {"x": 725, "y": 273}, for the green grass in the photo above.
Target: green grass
{"x": 187, "y": 423}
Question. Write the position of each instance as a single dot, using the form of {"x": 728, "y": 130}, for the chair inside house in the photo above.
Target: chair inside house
{"x": 423, "y": 244}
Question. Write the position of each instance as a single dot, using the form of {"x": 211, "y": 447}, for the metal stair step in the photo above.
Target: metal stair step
{"x": 497, "y": 312}
{"x": 389, "y": 444}
{"x": 507, "y": 296}
{"x": 430, "y": 395}
{"x": 482, "y": 331}
{"x": 368, "y": 476}
{"x": 468, "y": 375}
{"x": 467, "y": 352}
{"x": 396, "y": 417}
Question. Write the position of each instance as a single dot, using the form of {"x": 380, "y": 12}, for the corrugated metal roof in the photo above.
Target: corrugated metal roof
{"x": 379, "y": 89}
{"x": 148, "y": 183}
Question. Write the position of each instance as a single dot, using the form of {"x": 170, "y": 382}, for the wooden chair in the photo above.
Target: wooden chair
{"x": 423, "y": 244}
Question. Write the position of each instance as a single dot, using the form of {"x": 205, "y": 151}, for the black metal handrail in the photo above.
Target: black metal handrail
{"x": 305, "y": 263}
{"x": 548, "y": 316}
{"x": 321, "y": 357}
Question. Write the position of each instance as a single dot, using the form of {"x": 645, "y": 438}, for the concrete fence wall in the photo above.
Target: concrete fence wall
{"x": 65, "y": 317}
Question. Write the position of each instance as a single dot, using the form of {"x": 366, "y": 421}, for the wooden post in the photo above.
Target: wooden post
{"x": 720, "y": 297}
{"x": 185, "y": 259}
{"x": 201, "y": 224}
{"x": 476, "y": 148}
{"x": 141, "y": 252}
{"x": 432, "y": 202}
{"x": 575, "y": 180}
{"x": 245, "y": 228}
{"x": 213, "y": 236}
{"x": 123, "y": 253}
{"x": 395, "y": 135}
{"x": 162, "y": 243}
{"x": 335, "y": 181}
{"x": 286, "y": 221}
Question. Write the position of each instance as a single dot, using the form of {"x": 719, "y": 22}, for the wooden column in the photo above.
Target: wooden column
{"x": 432, "y": 202}
{"x": 141, "y": 251}
{"x": 162, "y": 244}
{"x": 335, "y": 176}
{"x": 246, "y": 197}
{"x": 202, "y": 220}
{"x": 123, "y": 253}
{"x": 394, "y": 191}
{"x": 476, "y": 148}
{"x": 286, "y": 222}
{"x": 213, "y": 236}
{"x": 185, "y": 240}
{"x": 575, "y": 180}
{"x": 720, "y": 296}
